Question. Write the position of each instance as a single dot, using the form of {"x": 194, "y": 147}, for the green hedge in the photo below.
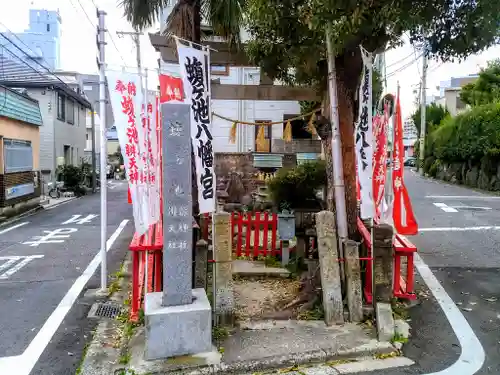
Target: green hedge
{"x": 296, "y": 187}
{"x": 467, "y": 137}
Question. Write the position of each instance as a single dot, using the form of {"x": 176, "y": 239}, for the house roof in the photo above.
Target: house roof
{"x": 16, "y": 75}
{"x": 17, "y": 106}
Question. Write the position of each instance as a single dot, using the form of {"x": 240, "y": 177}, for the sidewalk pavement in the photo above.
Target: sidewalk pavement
{"x": 300, "y": 347}
{"x": 48, "y": 202}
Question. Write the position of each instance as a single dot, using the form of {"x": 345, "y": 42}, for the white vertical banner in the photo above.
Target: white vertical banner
{"x": 127, "y": 102}
{"x": 195, "y": 73}
{"x": 364, "y": 139}
{"x": 153, "y": 163}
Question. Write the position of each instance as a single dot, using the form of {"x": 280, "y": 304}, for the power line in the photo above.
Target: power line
{"x": 110, "y": 35}
{"x": 24, "y": 53}
{"x": 86, "y": 15}
{"x": 403, "y": 67}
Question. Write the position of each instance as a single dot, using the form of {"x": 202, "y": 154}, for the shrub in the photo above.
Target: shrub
{"x": 71, "y": 176}
{"x": 469, "y": 136}
{"x": 296, "y": 187}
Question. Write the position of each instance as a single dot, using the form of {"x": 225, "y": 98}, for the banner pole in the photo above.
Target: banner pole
{"x": 103, "y": 151}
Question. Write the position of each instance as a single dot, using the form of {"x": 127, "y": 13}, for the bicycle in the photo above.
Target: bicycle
{"x": 55, "y": 192}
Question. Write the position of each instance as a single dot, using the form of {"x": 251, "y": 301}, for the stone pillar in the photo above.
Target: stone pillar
{"x": 353, "y": 276}
{"x": 329, "y": 267}
{"x": 201, "y": 263}
{"x": 177, "y": 210}
{"x": 223, "y": 277}
{"x": 178, "y": 321}
{"x": 383, "y": 262}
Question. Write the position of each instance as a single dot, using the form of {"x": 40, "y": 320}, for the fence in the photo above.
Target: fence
{"x": 253, "y": 234}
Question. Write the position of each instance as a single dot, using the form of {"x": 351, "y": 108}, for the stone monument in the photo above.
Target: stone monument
{"x": 178, "y": 320}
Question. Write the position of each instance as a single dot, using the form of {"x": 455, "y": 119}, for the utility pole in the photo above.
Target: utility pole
{"x": 101, "y": 31}
{"x": 94, "y": 179}
{"x": 422, "y": 111}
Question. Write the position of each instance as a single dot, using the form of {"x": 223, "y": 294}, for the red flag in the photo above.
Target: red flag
{"x": 129, "y": 198}
{"x": 401, "y": 197}
{"x": 171, "y": 88}
{"x": 380, "y": 125}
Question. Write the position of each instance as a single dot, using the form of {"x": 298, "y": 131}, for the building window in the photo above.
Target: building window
{"x": 460, "y": 104}
{"x": 61, "y": 107}
{"x": 70, "y": 114}
{"x": 18, "y": 156}
{"x": 219, "y": 70}
{"x": 48, "y": 27}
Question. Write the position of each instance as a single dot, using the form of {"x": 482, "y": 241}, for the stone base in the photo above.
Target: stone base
{"x": 177, "y": 330}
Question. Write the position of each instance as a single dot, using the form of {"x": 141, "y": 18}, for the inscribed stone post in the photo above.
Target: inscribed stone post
{"x": 329, "y": 267}
{"x": 353, "y": 284}
{"x": 222, "y": 247}
{"x": 177, "y": 205}
{"x": 383, "y": 261}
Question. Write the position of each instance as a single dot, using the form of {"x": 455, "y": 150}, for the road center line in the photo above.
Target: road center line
{"x": 13, "y": 227}
{"x": 472, "y": 355}
{"x": 445, "y": 207}
{"x": 461, "y": 197}
{"x": 458, "y": 229}
{"x": 24, "y": 363}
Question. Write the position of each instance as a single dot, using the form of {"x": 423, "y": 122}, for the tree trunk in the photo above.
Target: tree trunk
{"x": 348, "y": 67}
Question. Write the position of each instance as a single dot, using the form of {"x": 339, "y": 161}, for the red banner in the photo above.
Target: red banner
{"x": 380, "y": 128}
{"x": 171, "y": 88}
{"x": 403, "y": 217}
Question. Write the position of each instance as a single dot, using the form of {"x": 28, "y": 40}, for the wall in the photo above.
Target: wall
{"x": 18, "y": 130}
{"x": 245, "y": 110}
{"x": 65, "y": 134}
{"x": 47, "y": 108}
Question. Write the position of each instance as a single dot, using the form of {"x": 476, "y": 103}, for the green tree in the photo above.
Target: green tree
{"x": 434, "y": 114}
{"x": 486, "y": 89}
{"x": 297, "y": 55}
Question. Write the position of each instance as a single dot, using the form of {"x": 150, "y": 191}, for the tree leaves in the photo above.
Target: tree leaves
{"x": 486, "y": 89}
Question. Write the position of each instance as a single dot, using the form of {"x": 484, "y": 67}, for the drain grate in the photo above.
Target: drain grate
{"x": 106, "y": 310}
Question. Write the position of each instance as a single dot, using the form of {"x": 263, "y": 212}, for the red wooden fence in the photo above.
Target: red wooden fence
{"x": 248, "y": 242}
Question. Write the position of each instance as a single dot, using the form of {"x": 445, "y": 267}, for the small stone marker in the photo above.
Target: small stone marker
{"x": 177, "y": 206}
{"x": 224, "y": 298}
{"x": 329, "y": 268}
{"x": 353, "y": 275}
{"x": 383, "y": 262}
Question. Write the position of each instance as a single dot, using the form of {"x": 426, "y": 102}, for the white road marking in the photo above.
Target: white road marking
{"x": 24, "y": 363}
{"x": 462, "y": 197}
{"x": 12, "y": 260}
{"x": 458, "y": 229}
{"x": 445, "y": 207}
{"x": 472, "y": 356}
{"x": 76, "y": 219}
{"x": 473, "y": 207}
{"x": 52, "y": 236}
{"x": 13, "y": 227}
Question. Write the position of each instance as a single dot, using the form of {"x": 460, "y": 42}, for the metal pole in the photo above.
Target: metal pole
{"x": 94, "y": 179}
{"x": 422, "y": 111}
{"x": 338, "y": 173}
{"x": 102, "y": 111}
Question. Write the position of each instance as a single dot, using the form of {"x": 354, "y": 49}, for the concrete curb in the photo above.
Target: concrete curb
{"x": 292, "y": 360}
{"x": 30, "y": 212}
{"x": 61, "y": 203}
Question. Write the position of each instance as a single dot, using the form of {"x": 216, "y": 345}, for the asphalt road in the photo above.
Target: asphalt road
{"x": 41, "y": 257}
{"x": 459, "y": 240}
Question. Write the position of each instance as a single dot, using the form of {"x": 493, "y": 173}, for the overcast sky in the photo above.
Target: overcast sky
{"x": 78, "y": 49}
